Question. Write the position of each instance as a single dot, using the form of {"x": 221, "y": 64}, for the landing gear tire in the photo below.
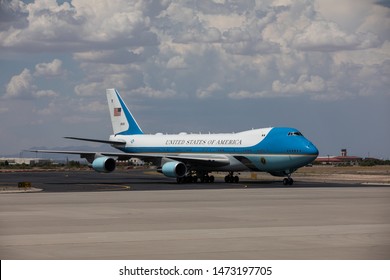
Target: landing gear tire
{"x": 200, "y": 177}
{"x": 231, "y": 179}
{"x": 288, "y": 181}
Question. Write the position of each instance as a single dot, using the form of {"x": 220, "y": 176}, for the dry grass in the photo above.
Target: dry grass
{"x": 328, "y": 169}
{"x": 361, "y": 174}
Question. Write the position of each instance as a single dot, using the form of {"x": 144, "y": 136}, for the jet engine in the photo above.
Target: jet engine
{"x": 174, "y": 169}
{"x": 104, "y": 164}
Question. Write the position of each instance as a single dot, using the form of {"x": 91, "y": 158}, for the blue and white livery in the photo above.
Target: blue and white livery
{"x": 191, "y": 157}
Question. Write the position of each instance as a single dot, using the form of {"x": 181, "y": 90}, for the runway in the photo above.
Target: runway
{"x": 132, "y": 215}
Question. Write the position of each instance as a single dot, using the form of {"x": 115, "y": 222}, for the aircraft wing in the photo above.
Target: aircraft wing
{"x": 97, "y": 140}
{"x": 201, "y": 160}
{"x": 189, "y": 159}
{"x": 89, "y": 156}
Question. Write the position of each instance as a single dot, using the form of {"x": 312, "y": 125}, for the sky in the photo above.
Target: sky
{"x": 321, "y": 66}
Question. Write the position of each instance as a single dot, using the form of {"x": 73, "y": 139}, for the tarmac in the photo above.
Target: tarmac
{"x": 137, "y": 215}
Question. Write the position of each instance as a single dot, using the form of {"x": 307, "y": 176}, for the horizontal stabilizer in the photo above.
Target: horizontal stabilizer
{"x": 98, "y": 141}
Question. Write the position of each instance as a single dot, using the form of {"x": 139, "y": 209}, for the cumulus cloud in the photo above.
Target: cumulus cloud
{"x": 88, "y": 89}
{"x": 117, "y": 56}
{"x": 176, "y": 62}
{"x": 23, "y": 85}
{"x": 211, "y": 90}
{"x": 153, "y": 93}
{"x": 234, "y": 49}
{"x": 45, "y": 93}
{"x": 94, "y": 106}
{"x": 75, "y": 25}
{"x": 326, "y": 36}
{"x": 12, "y": 14}
{"x": 242, "y": 94}
{"x": 49, "y": 110}
{"x": 20, "y": 85}
{"x": 53, "y": 68}
{"x": 305, "y": 84}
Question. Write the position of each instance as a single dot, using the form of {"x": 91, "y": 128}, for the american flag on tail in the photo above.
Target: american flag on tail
{"x": 117, "y": 112}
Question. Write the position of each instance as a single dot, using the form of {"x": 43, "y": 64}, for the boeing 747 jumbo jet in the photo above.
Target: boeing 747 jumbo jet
{"x": 191, "y": 157}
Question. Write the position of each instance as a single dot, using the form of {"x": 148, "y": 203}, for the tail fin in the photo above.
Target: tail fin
{"x": 122, "y": 120}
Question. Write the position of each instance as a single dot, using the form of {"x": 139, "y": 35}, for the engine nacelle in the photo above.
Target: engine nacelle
{"x": 104, "y": 164}
{"x": 174, "y": 169}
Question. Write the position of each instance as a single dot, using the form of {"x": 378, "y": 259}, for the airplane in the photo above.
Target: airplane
{"x": 191, "y": 158}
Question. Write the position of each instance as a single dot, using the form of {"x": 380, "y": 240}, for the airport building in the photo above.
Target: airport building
{"x": 342, "y": 159}
{"x": 20, "y": 160}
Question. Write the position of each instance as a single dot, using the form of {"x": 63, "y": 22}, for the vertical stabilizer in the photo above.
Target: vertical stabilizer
{"x": 122, "y": 120}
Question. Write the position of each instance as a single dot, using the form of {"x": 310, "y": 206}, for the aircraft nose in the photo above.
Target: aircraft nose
{"x": 311, "y": 149}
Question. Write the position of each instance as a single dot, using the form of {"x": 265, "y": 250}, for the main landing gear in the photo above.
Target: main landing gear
{"x": 202, "y": 177}
{"x": 288, "y": 180}
{"x": 231, "y": 179}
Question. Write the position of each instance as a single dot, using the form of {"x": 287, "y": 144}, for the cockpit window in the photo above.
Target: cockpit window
{"x": 295, "y": 133}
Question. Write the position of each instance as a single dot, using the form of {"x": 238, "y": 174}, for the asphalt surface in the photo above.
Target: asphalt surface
{"x": 138, "y": 215}
{"x": 139, "y": 179}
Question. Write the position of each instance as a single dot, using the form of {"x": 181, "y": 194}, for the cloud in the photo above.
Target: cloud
{"x": 45, "y": 93}
{"x": 249, "y": 94}
{"x": 197, "y": 35}
{"x": 94, "y": 106}
{"x": 20, "y": 86}
{"x": 326, "y": 36}
{"x": 305, "y": 84}
{"x": 117, "y": 56}
{"x": 176, "y": 62}
{"x": 89, "y": 89}
{"x": 74, "y": 26}
{"x": 53, "y": 68}
{"x": 153, "y": 93}
{"x": 12, "y": 14}
{"x": 49, "y": 110}
{"x": 165, "y": 49}
{"x": 210, "y": 91}
{"x": 24, "y": 85}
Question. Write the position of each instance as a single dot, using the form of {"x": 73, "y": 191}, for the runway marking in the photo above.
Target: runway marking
{"x": 13, "y": 189}
{"x": 115, "y": 188}
{"x": 376, "y": 184}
